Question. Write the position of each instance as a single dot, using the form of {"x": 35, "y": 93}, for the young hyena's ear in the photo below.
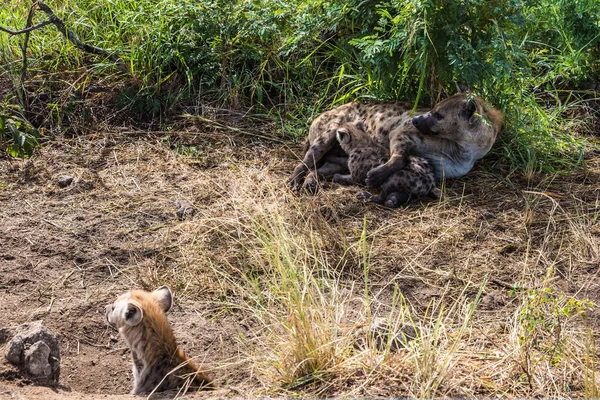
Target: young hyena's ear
{"x": 343, "y": 136}
{"x": 164, "y": 297}
{"x": 133, "y": 314}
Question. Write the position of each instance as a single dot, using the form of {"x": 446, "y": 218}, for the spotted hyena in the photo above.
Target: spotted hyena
{"x": 451, "y": 137}
{"x": 414, "y": 180}
{"x": 158, "y": 362}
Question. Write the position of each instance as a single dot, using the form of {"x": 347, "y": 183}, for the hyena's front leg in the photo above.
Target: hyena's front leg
{"x": 344, "y": 179}
{"x": 313, "y": 155}
{"x": 401, "y": 144}
{"x": 333, "y": 167}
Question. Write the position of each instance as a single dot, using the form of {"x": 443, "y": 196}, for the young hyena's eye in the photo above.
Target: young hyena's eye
{"x": 438, "y": 116}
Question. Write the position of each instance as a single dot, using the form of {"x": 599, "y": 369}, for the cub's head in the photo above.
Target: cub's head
{"x": 129, "y": 308}
{"x": 353, "y": 135}
{"x": 463, "y": 118}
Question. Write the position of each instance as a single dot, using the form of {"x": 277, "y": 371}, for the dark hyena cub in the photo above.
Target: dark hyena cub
{"x": 364, "y": 153}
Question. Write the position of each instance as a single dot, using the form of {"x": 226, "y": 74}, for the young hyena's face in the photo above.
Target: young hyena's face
{"x": 123, "y": 312}
{"x": 128, "y": 309}
{"x": 352, "y": 136}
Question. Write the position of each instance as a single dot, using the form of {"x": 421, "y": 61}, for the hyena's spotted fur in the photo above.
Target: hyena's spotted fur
{"x": 452, "y": 136}
{"x": 158, "y": 362}
{"x": 415, "y": 180}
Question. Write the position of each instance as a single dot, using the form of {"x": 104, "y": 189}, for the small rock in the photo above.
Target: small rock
{"x": 37, "y": 359}
{"x": 15, "y": 351}
{"x": 488, "y": 215}
{"x": 492, "y": 300}
{"x": 80, "y": 218}
{"x": 184, "y": 209}
{"x": 35, "y": 352}
{"x": 64, "y": 181}
{"x": 382, "y": 331}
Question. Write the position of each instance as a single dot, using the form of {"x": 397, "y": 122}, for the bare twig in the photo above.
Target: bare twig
{"x": 28, "y": 29}
{"x": 24, "y": 96}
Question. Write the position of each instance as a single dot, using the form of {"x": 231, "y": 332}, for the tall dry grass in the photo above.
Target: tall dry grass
{"x": 314, "y": 273}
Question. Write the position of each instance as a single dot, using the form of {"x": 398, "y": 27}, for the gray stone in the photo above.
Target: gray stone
{"x": 184, "y": 209}
{"x": 35, "y": 352}
{"x": 488, "y": 215}
{"x": 64, "y": 181}
{"x": 15, "y": 351}
{"x": 37, "y": 360}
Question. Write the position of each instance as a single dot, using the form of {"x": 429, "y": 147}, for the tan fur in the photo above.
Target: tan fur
{"x": 158, "y": 362}
{"x": 466, "y": 132}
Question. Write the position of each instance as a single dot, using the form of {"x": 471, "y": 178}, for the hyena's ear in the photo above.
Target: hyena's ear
{"x": 133, "y": 314}
{"x": 163, "y": 296}
{"x": 361, "y": 125}
{"x": 470, "y": 107}
{"x": 343, "y": 136}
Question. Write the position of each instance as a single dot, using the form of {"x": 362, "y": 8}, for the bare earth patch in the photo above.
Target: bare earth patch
{"x": 496, "y": 276}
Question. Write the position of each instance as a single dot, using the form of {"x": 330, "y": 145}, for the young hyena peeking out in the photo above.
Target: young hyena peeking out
{"x": 416, "y": 179}
{"x": 158, "y": 363}
{"x": 451, "y": 137}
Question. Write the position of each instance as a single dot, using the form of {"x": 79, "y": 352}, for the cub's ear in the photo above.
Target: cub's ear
{"x": 163, "y": 296}
{"x": 133, "y": 314}
{"x": 343, "y": 136}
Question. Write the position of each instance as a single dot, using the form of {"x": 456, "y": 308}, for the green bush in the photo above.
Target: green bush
{"x": 17, "y": 137}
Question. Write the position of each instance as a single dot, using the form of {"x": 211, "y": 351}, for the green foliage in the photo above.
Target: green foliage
{"x": 294, "y": 58}
{"x": 542, "y": 320}
{"x": 17, "y": 136}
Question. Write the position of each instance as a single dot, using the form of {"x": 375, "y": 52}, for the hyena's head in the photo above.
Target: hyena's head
{"x": 463, "y": 118}
{"x": 129, "y": 308}
{"x": 353, "y": 135}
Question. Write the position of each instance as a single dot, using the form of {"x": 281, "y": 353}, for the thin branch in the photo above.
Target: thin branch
{"x": 29, "y": 29}
{"x": 67, "y": 33}
{"x": 26, "y": 43}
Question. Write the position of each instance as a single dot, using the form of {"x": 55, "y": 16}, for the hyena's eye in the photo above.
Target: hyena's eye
{"x": 438, "y": 116}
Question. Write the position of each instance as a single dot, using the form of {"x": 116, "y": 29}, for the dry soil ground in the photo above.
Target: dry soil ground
{"x": 67, "y": 252}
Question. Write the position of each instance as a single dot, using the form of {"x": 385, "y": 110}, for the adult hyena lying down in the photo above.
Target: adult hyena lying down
{"x": 452, "y": 136}
{"x": 415, "y": 180}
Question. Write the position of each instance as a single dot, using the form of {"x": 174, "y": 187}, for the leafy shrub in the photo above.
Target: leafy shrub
{"x": 17, "y": 136}
{"x": 294, "y": 58}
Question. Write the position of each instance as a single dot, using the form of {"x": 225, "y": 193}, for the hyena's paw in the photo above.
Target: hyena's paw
{"x": 376, "y": 177}
{"x": 364, "y": 196}
{"x": 396, "y": 199}
{"x": 295, "y": 182}
{"x": 435, "y": 193}
{"x": 311, "y": 185}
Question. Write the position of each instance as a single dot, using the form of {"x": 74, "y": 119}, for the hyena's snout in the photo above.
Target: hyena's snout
{"x": 108, "y": 310}
{"x": 424, "y": 123}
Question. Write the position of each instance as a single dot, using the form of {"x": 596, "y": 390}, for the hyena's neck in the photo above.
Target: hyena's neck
{"x": 151, "y": 342}
{"x": 448, "y": 158}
